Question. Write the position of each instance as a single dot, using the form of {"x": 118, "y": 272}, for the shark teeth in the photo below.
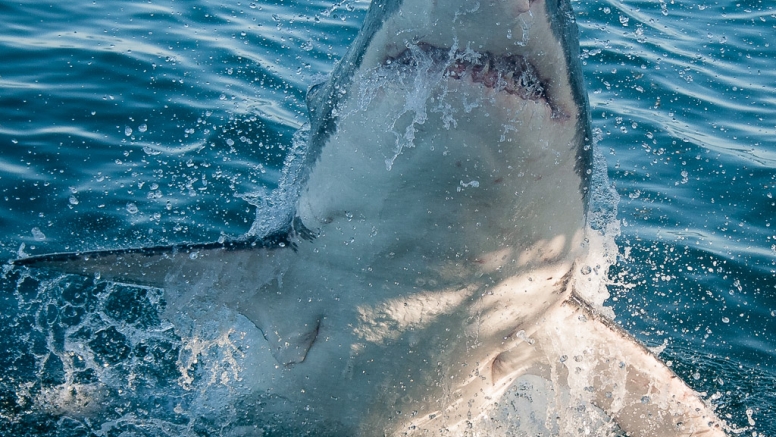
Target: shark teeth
{"x": 507, "y": 73}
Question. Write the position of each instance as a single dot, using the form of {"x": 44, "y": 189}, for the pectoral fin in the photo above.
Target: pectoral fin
{"x": 640, "y": 393}
{"x": 202, "y": 272}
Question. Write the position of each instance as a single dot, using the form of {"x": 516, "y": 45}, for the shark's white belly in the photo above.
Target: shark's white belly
{"x": 477, "y": 190}
{"x": 421, "y": 274}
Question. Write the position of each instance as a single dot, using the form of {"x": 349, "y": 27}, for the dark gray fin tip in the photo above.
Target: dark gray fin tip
{"x": 273, "y": 241}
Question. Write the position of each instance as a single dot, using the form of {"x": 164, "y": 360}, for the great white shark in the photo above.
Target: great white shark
{"x": 428, "y": 279}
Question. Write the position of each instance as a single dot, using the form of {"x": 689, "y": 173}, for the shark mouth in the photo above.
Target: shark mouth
{"x": 511, "y": 74}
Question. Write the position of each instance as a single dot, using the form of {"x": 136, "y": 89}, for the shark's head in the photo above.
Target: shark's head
{"x": 462, "y": 124}
{"x": 527, "y": 49}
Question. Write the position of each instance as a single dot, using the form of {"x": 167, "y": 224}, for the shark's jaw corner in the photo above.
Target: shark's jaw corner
{"x": 446, "y": 187}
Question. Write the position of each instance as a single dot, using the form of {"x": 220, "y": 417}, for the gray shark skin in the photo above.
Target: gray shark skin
{"x": 430, "y": 279}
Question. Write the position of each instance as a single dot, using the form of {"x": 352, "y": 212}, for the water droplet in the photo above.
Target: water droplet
{"x": 150, "y": 151}
{"x": 725, "y": 320}
{"x": 127, "y": 131}
{"x": 586, "y": 270}
{"x": 73, "y": 200}
{"x": 142, "y": 128}
{"x": 37, "y": 234}
{"x": 132, "y": 208}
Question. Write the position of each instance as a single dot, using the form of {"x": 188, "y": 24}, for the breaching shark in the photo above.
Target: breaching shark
{"x": 428, "y": 278}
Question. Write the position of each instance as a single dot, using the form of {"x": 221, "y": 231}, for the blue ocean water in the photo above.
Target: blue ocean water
{"x": 129, "y": 124}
